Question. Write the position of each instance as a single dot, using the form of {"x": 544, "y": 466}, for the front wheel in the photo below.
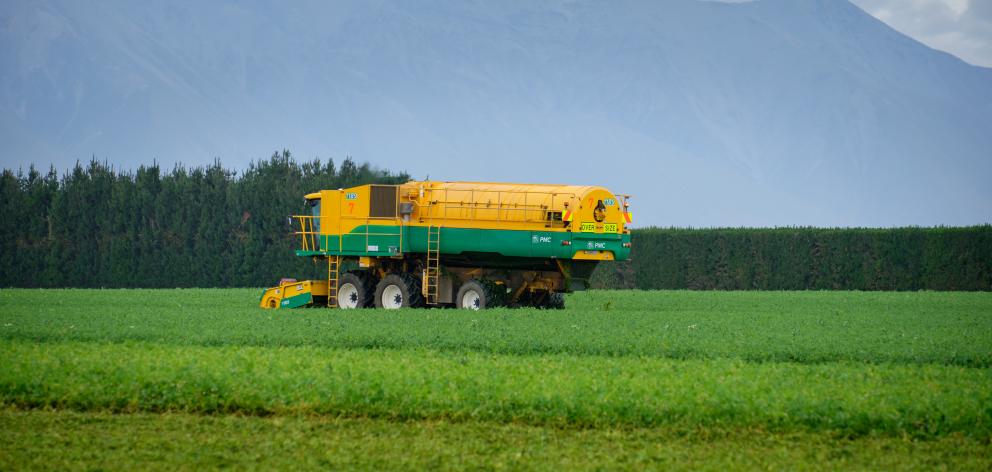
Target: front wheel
{"x": 398, "y": 291}
{"x": 479, "y": 295}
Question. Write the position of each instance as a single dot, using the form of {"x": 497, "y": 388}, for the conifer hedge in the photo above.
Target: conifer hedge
{"x": 212, "y": 227}
{"x": 95, "y": 226}
{"x": 940, "y": 258}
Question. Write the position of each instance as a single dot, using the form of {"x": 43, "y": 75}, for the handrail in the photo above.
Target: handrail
{"x": 308, "y": 232}
{"x": 310, "y": 236}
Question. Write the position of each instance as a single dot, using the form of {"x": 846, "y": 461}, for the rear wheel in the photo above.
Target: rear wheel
{"x": 354, "y": 290}
{"x": 554, "y": 301}
{"x": 479, "y": 295}
{"x": 544, "y": 300}
{"x": 398, "y": 291}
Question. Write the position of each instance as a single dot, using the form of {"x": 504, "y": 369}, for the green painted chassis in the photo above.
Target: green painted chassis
{"x": 385, "y": 241}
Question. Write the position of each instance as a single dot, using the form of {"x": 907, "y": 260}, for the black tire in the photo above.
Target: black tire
{"x": 362, "y": 296}
{"x": 554, "y": 301}
{"x": 542, "y": 300}
{"x": 489, "y": 295}
{"x": 405, "y": 295}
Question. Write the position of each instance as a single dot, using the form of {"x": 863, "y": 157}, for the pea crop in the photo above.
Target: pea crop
{"x": 863, "y": 366}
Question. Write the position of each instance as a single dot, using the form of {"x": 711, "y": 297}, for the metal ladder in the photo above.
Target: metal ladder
{"x": 332, "y": 280}
{"x": 433, "y": 263}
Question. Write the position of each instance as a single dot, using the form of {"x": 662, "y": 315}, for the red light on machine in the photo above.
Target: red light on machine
{"x": 566, "y": 242}
{"x": 626, "y": 245}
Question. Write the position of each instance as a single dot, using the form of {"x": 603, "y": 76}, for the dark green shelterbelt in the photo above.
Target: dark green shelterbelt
{"x": 96, "y": 226}
{"x": 957, "y": 258}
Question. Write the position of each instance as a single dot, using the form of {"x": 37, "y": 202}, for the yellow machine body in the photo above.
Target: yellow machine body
{"x": 510, "y": 214}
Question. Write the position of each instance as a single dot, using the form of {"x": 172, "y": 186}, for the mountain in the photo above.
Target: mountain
{"x": 775, "y": 112}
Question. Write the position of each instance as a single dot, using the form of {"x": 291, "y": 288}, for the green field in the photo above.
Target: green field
{"x": 619, "y": 379}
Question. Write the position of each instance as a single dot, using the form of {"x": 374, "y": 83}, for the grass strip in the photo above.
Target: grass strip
{"x": 61, "y": 440}
{"x": 804, "y": 327}
{"x": 584, "y": 391}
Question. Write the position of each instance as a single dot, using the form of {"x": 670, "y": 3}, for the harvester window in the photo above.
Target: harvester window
{"x": 554, "y": 216}
{"x": 315, "y": 212}
{"x": 382, "y": 203}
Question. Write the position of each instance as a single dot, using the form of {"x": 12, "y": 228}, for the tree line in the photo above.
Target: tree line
{"x": 96, "y": 226}
{"x": 941, "y": 258}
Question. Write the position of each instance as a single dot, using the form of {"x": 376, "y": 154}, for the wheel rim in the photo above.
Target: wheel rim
{"x": 272, "y": 303}
{"x": 471, "y": 300}
{"x": 392, "y": 297}
{"x": 348, "y": 296}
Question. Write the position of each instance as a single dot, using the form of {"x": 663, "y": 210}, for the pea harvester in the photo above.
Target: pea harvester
{"x": 473, "y": 245}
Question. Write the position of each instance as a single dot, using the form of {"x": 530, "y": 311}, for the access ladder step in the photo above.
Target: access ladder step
{"x": 332, "y": 280}
{"x": 433, "y": 263}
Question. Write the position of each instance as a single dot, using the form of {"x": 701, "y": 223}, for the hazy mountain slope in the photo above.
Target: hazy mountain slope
{"x": 773, "y": 112}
